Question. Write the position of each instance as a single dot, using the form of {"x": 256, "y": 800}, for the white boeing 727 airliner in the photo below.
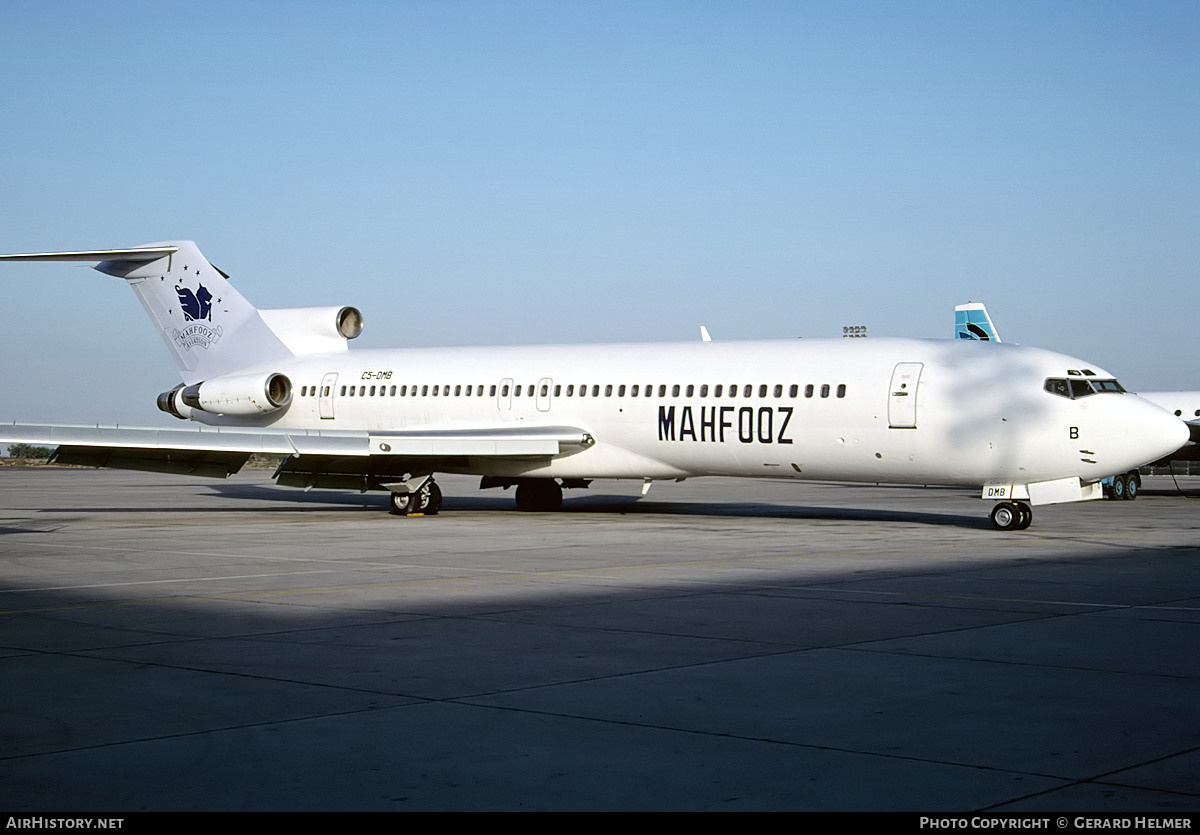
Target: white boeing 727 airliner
{"x": 544, "y": 418}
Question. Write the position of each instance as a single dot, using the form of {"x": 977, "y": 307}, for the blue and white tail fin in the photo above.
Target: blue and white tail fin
{"x": 971, "y": 321}
{"x": 209, "y": 327}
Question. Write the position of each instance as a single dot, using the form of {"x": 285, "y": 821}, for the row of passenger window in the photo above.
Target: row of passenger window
{"x": 636, "y": 390}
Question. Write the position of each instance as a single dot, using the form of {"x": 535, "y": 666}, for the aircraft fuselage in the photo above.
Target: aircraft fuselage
{"x": 877, "y": 410}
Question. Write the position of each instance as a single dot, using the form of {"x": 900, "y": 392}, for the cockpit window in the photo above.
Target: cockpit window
{"x": 1074, "y": 388}
{"x": 1060, "y": 387}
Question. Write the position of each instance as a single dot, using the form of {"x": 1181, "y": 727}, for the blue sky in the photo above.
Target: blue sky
{"x": 479, "y": 173}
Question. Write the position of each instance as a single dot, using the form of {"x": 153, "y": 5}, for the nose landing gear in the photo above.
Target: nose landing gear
{"x": 1011, "y": 516}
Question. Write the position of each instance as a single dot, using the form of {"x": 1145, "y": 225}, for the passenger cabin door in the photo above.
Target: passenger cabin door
{"x": 328, "y": 384}
{"x": 902, "y": 396}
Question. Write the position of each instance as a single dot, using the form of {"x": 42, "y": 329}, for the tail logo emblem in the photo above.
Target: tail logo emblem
{"x": 196, "y": 305}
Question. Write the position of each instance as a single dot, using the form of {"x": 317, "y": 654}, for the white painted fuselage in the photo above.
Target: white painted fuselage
{"x": 875, "y": 410}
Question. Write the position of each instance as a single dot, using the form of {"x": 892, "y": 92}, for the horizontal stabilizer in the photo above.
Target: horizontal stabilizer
{"x": 141, "y": 253}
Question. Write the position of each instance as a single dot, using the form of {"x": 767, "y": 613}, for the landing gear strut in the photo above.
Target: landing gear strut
{"x": 426, "y": 501}
{"x": 1011, "y": 516}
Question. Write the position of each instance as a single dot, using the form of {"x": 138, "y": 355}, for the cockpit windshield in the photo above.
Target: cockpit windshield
{"x": 1075, "y": 387}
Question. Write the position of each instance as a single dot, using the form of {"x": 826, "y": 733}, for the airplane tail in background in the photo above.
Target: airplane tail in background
{"x": 971, "y": 321}
{"x": 208, "y": 326}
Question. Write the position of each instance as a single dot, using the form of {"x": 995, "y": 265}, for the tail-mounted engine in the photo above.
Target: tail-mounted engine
{"x": 246, "y": 394}
{"x": 314, "y": 330}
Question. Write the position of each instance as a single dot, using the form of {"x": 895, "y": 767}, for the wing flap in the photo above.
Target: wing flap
{"x": 502, "y": 441}
{"x": 205, "y": 463}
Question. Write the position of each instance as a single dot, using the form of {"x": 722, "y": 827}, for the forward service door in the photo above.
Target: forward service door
{"x": 902, "y": 396}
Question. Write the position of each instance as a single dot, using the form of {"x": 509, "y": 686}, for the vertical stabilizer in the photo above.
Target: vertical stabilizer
{"x": 971, "y": 321}
{"x": 208, "y": 326}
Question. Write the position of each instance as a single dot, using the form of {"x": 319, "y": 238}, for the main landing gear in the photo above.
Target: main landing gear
{"x": 535, "y": 494}
{"x": 539, "y": 494}
{"x": 1011, "y": 516}
{"x": 426, "y": 501}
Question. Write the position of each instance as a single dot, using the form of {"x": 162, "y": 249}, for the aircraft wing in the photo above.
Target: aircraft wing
{"x": 220, "y": 452}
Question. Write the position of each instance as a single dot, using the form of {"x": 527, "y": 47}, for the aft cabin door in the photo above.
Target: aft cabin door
{"x": 328, "y": 384}
{"x": 902, "y": 396}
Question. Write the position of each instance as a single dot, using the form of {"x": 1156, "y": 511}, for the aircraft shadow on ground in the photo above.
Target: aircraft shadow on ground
{"x": 596, "y": 504}
{"x": 584, "y": 502}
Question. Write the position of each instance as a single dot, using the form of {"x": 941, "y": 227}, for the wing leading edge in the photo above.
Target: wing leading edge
{"x": 219, "y": 453}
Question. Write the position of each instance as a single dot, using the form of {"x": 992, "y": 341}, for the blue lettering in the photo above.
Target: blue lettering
{"x": 686, "y": 427}
{"x": 666, "y": 423}
{"x": 708, "y": 421}
{"x": 766, "y": 427}
{"x": 786, "y": 411}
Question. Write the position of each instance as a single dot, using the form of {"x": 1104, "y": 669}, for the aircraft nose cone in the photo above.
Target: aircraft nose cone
{"x": 1162, "y": 432}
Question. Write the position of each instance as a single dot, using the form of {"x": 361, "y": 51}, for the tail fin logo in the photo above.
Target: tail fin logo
{"x": 196, "y": 305}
